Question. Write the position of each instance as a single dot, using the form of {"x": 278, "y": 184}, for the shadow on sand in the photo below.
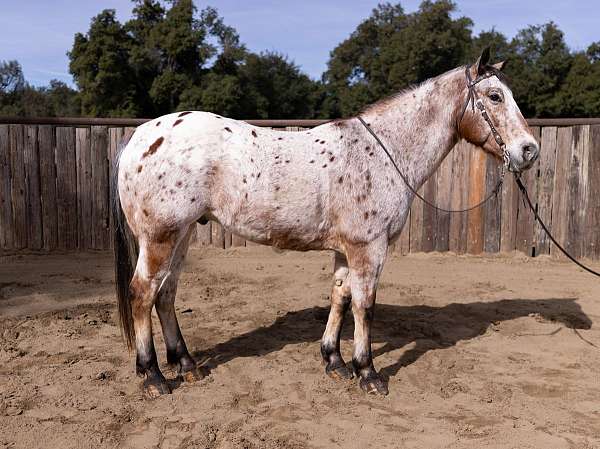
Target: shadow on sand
{"x": 395, "y": 325}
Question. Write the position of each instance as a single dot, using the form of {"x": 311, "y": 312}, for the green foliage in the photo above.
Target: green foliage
{"x": 391, "y": 50}
{"x": 171, "y": 57}
{"x": 168, "y": 57}
{"x": 17, "y": 98}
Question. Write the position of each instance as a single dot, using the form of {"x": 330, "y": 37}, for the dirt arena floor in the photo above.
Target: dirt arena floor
{"x": 499, "y": 352}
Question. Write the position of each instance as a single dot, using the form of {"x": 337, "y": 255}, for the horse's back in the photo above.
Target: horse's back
{"x": 258, "y": 182}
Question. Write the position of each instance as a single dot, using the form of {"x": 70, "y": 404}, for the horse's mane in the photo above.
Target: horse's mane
{"x": 391, "y": 98}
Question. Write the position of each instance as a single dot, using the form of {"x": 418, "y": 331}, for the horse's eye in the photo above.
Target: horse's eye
{"x": 495, "y": 97}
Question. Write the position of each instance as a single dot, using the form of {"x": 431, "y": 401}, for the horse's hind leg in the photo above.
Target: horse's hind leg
{"x": 340, "y": 301}
{"x": 152, "y": 269}
{"x": 177, "y": 352}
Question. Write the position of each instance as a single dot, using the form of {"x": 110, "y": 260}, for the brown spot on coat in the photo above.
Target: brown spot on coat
{"x": 184, "y": 113}
{"x": 331, "y": 158}
{"x": 341, "y": 179}
{"x": 253, "y": 133}
{"x": 366, "y": 215}
{"x": 157, "y": 123}
{"x": 227, "y": 129}
{"x": 145, "y": 212}
{"x": 177, "y": 122}
{"x": 157, "y": 143}
{"x": 178, "y": 183}
{"x": 139, "y": 169}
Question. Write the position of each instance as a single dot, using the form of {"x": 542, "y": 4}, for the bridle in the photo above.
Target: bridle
{"x": 475, "y": 101}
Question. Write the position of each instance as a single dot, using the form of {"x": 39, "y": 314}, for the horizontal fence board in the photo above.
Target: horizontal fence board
{"x": 55, "y": 191}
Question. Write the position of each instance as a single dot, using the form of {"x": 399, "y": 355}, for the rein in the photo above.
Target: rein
{"x": 543, "y": 225}
{"x": 475, "y": 102}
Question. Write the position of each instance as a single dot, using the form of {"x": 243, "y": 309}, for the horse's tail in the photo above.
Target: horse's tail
{"x": 125, "y": 251}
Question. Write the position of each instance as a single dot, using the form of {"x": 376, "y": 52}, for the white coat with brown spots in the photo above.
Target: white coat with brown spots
{"x": 331, "y": 187}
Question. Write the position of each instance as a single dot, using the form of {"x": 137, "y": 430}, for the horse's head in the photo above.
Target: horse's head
{"x": 490, "y": 118}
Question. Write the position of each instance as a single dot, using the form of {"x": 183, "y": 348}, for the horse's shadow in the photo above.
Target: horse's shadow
{"x": 396, "y": 325}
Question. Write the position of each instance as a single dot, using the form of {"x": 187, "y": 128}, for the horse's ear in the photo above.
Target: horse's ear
{"x": 483, "y": 61}
{"x": 499, "y": 65}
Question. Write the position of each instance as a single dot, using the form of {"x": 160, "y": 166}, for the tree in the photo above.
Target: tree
{"x": 579, "y": 94}
{"x": 539, "y": 64}
{"x": 99, "y": 62}
{"x": 391, "y": 50}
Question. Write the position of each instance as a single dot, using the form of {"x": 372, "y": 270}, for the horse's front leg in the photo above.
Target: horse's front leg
{"x": 366, "y": 264}
{"x": 335, "y": 366}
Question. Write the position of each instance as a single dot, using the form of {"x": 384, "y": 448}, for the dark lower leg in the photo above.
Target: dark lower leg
{"x": 340, "y": 301}
{"x": 330, "y": 344}
{"x": 146, "y": 364}
{"x": 177, "y": 352}
{"x": 362, "y": 360}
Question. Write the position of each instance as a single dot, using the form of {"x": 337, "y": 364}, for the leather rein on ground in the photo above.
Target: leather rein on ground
{"x": 473, "y": 99}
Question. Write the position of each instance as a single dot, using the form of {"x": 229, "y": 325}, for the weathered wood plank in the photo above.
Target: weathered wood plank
{"x": 545, "y": 187}
{"x": 100, "y": 211}
{"x": 564, "y": 142}
{"x": 477, "y": 175}
{"x": 46, "y": 147}
{"x": 203, "y": 235}
{"x": 429, "y": 214}
{"x": 18, "y": 186}
{"x": 457, "y": 241}
{"x": 509, "y": 203}
{"x": 444, "y": 199}
{"x": 525, "y": 218}
{"x": 492, "y": 210}
{"x": 85, "y": 197}
{"x": 592, "y": 223}
{"x": 115, "y": 137}
{"x": 6, "y": 220}
{"x": 416, "y": 224}
{"x": 577, "y": 191}
{"x": 402, "y": 245}
{"x": 218, "y": 235}
{"x": 236, "y": 240}
{"x": 66, "y": 188}
{"x": 32, "y": 185}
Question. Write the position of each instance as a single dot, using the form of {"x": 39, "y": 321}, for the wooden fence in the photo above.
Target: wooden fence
{"x": 54, "y": 191}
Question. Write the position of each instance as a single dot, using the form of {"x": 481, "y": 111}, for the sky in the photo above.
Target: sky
{"x": 38, "y": 33}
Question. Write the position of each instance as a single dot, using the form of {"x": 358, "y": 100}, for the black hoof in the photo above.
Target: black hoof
{"x": 374, "y": 384}
{"x": 155, "y": 386}
{"x": 338, "y": 371}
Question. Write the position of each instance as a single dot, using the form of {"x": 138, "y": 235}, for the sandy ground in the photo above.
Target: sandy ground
{"x": 479, "y": 352}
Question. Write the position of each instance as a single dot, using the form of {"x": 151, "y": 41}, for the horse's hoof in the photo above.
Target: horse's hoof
{"x": 156, "y": 388}
{"x": 338, "y": 371}
{"x": 374, "y": 384}
{"x": 193, "y": 375}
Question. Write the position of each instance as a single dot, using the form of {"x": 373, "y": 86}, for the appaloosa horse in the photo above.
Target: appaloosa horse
{"x": 331, "y": 187}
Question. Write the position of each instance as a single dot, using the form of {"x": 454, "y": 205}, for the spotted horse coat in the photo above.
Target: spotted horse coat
{"x": 330, "y": 187}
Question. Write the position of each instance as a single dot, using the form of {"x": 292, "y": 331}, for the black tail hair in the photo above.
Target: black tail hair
{"x": 125, "y": 252}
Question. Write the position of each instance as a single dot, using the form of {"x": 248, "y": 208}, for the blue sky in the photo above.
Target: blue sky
{"x": 38, "y": 33}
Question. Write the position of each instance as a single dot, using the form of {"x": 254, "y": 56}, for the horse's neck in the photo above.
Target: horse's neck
{"x": 419, "y": 126}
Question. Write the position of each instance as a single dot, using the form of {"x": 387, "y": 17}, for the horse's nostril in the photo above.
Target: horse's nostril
{"x": 529, "y": 152}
